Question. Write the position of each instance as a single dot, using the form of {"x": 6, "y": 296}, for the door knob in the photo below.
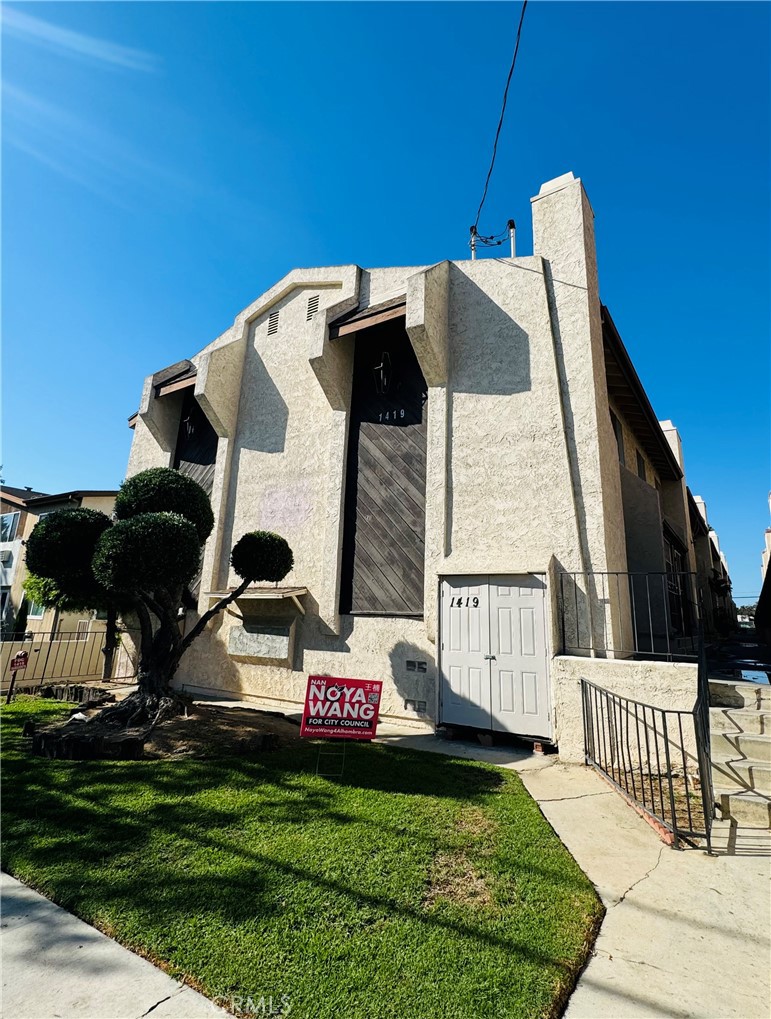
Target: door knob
{"x": 489, "y": 658}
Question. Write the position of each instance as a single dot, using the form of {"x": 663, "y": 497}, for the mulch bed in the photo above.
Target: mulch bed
{"x": 204, "y": 731}
{"x": 211, "y": 731}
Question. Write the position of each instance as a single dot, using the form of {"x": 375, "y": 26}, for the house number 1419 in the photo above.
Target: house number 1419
{"x": 459, "y": 602}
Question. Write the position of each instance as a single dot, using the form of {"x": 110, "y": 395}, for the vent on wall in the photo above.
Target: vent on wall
{"x": 313, "y": 307}
{"x": 415, "y": 666}
{"x": 419, "y": 707}
{"x": 273, "y": 323}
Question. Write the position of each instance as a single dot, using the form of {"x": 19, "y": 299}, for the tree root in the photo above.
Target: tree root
{"x": 119, "y": 731}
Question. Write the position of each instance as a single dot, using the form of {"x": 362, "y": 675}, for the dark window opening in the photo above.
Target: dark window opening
{"x": 641, "y": 466}
{"x": 196, "y": 452}
{"x": 385, "y": 495}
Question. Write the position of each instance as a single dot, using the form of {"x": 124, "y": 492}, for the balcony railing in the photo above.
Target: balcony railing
{"x": 645, "y": 615}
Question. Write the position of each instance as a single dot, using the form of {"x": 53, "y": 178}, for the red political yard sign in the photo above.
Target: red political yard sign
{"x": 19, "y": 661}
{"x": 345, "y": 708}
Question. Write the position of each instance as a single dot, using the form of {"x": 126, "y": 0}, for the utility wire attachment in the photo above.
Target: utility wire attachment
{"x": 500, "y": 119}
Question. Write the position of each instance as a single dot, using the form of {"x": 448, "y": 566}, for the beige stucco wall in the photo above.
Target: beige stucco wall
{"x": 666, "y": 685}
{"x": 632, "y": 447}
{"x": 522, "y": 469}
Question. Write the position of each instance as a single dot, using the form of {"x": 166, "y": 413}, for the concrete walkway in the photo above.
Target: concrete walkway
{"x": 57, "y": 967}
{"x": 685, "y": 934}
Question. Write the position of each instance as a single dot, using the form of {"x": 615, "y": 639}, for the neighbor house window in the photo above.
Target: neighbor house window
{"x": 618, "y": 431}
{"x": 9, "y": 523}
{"x": 35, "y": 611}
{"x": 641, "y": 466}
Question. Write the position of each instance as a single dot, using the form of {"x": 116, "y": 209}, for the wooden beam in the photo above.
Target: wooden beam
{"x": 172, "y": 387}
{"x": 364, "y": 323}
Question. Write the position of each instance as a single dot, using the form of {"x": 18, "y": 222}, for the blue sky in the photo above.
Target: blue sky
{"x": 164, "y": 163}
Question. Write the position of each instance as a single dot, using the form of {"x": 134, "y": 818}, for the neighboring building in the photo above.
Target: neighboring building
{"x": 765, "y": 555}
{"x": 482, "y": 504}
{"x": 30, "y": 507}
{"x": 16, "y": 522}
{"x": 713, "y": 580}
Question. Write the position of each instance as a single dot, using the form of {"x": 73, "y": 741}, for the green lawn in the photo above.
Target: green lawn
{"x": 418, "y": 886}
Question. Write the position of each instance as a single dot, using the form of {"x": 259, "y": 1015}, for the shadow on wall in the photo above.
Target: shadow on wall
{"x": 491, "y": 352}
{"x": 413, "y": 672}
{"x": 226, "y": 675}
{"x": 263, "y": 413}
{"x": 262, "y": 424}
{"x": 314, "y": 635}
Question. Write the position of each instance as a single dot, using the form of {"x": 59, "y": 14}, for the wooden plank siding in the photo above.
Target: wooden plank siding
{"x": 196, "y": 453}
{"x": 385, "y": 496}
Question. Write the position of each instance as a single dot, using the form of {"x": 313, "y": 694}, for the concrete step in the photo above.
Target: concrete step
{"x": 756, "y": 775}
{"x": 740, "y": 774}
{"x": 740, "y": 720}
{"x": 750, "y": 809}
{"x": 736, "y": 693}
{"x": 751, "y": 746}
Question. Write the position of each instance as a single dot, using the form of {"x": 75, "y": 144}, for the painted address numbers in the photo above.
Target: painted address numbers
{"x": 391, "y": 415}
{"x": 459, "y": 602}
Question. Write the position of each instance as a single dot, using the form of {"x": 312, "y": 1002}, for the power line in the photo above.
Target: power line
{"x": 500, "y": 120}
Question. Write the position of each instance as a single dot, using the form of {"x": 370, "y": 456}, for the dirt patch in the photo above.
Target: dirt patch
{"x": 455, "y": 878}
{"x": 474, "y": 821}
{"x": 210, "y": 731}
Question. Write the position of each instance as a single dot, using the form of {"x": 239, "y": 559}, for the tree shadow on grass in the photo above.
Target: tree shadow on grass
{"x": 120, "y": 843}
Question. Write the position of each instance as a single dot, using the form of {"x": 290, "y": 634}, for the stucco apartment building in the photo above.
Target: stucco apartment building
{"x": 21, "y": 510}
{"x": 482, "y": 504}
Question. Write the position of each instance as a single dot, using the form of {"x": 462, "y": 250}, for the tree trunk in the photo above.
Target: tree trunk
{"x": 153, "y": 701}
{"x": 110, "y": 642}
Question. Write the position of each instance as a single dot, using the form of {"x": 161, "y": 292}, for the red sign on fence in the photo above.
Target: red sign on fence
{"x": 19, "y": 661}
{"x": 346, "y": 708}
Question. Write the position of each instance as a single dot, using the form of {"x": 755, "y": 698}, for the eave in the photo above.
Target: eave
{"x": 627, "y": 392}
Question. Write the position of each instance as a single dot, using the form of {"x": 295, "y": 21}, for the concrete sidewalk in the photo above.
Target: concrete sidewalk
{"x": 57, "y": 967}
{"x": 685, "y": 934}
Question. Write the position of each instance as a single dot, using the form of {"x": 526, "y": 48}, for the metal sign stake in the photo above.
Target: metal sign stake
{"x": 336, "y": 755}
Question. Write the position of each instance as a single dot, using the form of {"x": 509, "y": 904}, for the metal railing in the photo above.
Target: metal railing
{"x": 657, "y": 758}
{"x": 63, "y": 655}
{"x": 648, "y": 615}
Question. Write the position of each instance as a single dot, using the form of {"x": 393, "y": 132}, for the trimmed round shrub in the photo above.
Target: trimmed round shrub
{"x": 164, "y": 490}
{"x": 148, "y": 551}
{"x": 61, "y": 547}
{"x": 262, "y": 555}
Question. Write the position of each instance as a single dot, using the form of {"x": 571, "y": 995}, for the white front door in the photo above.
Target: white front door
{"x": 494, "y": 672}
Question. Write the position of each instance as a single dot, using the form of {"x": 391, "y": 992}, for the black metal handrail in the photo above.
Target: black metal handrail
{"x": 644, "y": 751}
{"x": 702, "y": 728}
{"x": 648, "y": 615}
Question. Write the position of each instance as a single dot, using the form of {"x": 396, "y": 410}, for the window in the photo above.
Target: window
{"x": 618, "y": 431}
{"x": 35, "y": 611}
{"x": 641, "y": 466}
{"x": 9, "y": 522}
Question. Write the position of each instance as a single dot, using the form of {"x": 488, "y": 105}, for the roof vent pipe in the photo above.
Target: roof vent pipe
{"x": 513, "y": 237}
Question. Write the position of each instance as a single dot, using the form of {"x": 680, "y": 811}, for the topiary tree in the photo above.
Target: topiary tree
{"x": 143, "y": 562}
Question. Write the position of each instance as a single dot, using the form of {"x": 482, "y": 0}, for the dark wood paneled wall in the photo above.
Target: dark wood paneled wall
{"x": 385, "y": 500}
{"x": 196, "y": 452}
